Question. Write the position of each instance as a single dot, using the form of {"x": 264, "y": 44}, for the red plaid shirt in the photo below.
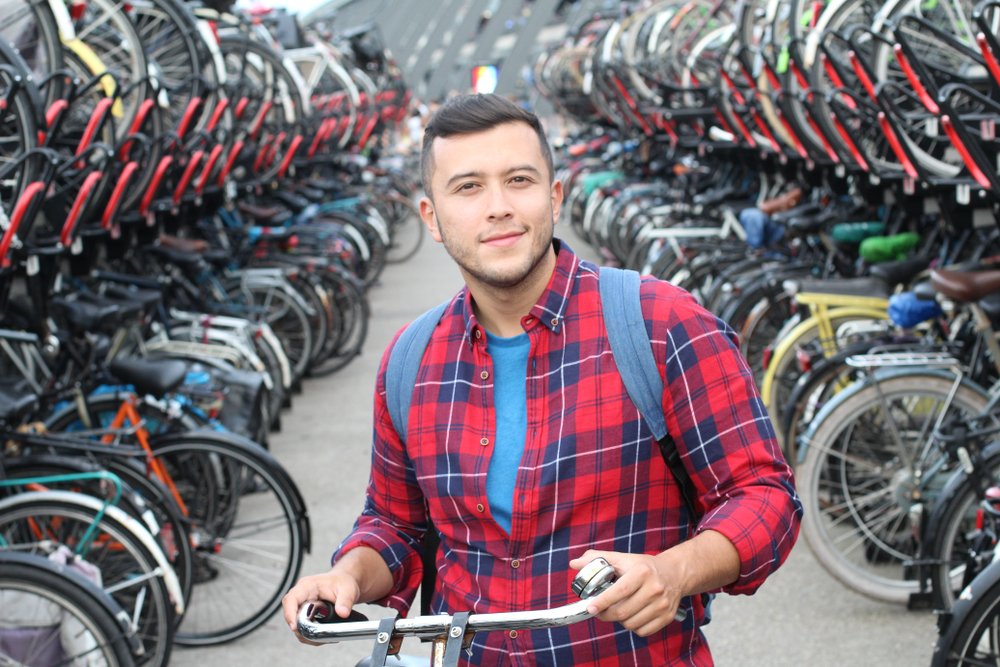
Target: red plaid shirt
{"x": 591, "y": 475}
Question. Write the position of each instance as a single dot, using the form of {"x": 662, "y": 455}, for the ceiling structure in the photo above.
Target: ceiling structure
{"x": 438, "y": 44}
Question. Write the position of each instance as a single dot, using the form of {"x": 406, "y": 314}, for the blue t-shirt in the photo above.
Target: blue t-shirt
{"x": 510, "y": 372}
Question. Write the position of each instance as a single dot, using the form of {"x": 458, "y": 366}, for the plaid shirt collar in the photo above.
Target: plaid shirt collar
{"x": 550, "y": 307}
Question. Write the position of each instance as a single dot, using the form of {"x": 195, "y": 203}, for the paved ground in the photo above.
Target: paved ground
{"x": 801, "y": 616}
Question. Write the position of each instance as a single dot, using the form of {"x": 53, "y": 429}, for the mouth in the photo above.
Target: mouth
{"x": 503, "y": 240}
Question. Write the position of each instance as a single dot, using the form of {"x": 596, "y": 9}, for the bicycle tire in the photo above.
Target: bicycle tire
{"x": 100, "y": 623}
{"x": 133, "y": 569}
{"x": 977, "y": 613}
{"x": 407, "y": 229}
{"x": 952, "y": 520}
{"x": 353, "y": 312}
{"x": 782, "y": 371}
{"x": 849, "y": 484}
{"x": 244, "y": 485}
{"x": 165, "y": 522}
{"x": 285, "y": 316}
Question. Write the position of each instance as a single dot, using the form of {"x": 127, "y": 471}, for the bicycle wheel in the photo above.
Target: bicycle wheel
{"x": 249, "y": 526}
{"x": 286, "y": 317}
{"x": 869, "y": 459}
{"x": 30, "y": 27}
{"x": 154, "y": 507}
{"x": 170, "y": 36}
{"x": 972, "y": 635}
{"x": 952, "y": 528}
{"x": 406, "y": 229}
{"x": 105, "y": 27}
{"x": 18, "y": 130}
{"x": 133, "y": 569}
{"x": 53, "y": 615}
{"x": 782, "y": 370}
{"x": 352, "y": 318}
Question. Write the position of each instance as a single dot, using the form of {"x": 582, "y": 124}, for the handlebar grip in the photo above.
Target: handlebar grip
{"x": 324, "y": 612}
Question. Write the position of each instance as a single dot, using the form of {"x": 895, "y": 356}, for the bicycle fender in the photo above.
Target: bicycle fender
{"x": 879, "y": 375}
{"x": 788, "y": 342}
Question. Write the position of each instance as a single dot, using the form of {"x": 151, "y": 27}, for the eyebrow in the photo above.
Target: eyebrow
{"x": 470, "y": 174}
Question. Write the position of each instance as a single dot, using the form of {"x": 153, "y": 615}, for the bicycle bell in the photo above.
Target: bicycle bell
{"x": 593, "y": 578}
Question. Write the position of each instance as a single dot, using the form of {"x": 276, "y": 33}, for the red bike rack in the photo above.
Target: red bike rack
{"x": 154, "y": 185}
{"x": 220, "y": 109}
{"x": 96, "y": 120}
{"x": 963, "y": 150}
{"x": 82, "y": 197}
{"x": 206, "y": 172}
{"x": 287, "y": 160}
{"x": 896, "y": 145}
{"x": 24, "y": 202}
{"x": 234, "y": 153}
{"x": 115, "y": 202}
{"x": 914, "y": 80}
{"x": 188, "y": 117}
{"x": 182, "y": 185}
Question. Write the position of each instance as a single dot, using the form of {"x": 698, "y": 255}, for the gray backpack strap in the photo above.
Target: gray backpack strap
{"x": 630, "y": 345}
{"x": 404, "y": 364}
{"x": 633, "y": 355}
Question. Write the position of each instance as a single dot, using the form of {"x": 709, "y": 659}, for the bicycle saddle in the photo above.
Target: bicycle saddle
{"x": 845, "y": 286}
{"x": 16, "y": 400}
{"x": 902, "y": 272}
{"x": 150, "y": 376}
{"x": 292, "y": 201}
{"x": 263, "y": 215}
{"x": 965, "y": 286}
{"x": 84, "y": 312}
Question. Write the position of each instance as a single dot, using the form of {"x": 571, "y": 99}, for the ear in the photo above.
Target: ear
{"x": 429, "y": 217}
{"x": 557, "y": 199}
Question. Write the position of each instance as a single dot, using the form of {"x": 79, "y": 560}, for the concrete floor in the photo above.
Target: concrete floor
{"x": 801, "y": 616}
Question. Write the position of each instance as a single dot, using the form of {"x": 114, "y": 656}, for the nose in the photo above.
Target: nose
{"x": 498, "y": 205}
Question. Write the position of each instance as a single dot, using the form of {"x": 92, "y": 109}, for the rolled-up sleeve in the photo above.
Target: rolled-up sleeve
{"x": 744, "y": 488}
{"x": 393, "y": 520}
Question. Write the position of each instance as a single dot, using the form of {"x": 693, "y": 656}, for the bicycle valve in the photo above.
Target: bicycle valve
{"x": 596, "y": 576}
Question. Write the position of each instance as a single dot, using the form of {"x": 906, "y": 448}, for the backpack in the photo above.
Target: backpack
{"x": 630, "y": 346}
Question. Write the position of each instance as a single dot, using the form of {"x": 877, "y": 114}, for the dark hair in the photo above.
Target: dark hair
{"x": 468, "y": 114}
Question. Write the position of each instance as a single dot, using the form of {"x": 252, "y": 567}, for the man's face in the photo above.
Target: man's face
{"x": 493, "y": 205}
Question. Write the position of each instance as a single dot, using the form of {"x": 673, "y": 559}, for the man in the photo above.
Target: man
{"x": 525, "y": 449}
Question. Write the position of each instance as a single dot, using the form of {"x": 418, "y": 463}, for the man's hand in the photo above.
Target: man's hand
{"x": 333, "y": 586}
{"x": 646, "y": 595}
{"x": 649, "y": 588}
{"x": 359, "y": 576}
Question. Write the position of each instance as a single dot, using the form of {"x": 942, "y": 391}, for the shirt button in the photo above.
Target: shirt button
{"x": 529, "y": 320}
{"x": 555, "y": 321}
{"x": 479, "y": 334}
{"x": 515, "y": 563}
{"x": 480, "y": 507}
{"x": 513, "y": 634}
{"x": 484, "y": 374}
{"x": 484, "y": 442}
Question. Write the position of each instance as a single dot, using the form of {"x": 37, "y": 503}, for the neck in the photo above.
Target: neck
{"x": 500, "y": 309}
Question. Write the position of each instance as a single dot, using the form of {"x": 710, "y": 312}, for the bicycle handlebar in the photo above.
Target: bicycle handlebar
{"x": 318, "y": 621}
